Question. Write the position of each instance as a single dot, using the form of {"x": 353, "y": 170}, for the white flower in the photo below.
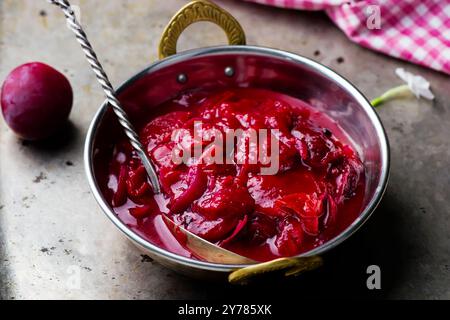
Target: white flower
{"x": 415, "y": 84}
{"x": 418, "y": 85}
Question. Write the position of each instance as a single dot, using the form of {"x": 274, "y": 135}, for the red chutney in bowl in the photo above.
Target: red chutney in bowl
{"x": 317, "y": 192}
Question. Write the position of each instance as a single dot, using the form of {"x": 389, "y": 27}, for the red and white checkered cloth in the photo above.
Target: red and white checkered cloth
{"x": 414, "y": 30}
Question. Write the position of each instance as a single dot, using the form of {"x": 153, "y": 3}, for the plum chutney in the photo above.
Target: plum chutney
{"x": 316, "y": 193}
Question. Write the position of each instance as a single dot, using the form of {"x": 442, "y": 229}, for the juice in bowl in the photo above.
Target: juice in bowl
{"x": 265, "y": 153}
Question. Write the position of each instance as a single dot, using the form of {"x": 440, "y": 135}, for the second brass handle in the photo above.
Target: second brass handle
{"x": 290, "y": 267}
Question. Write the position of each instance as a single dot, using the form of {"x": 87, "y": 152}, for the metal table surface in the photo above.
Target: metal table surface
{"x": 51, "y": 229}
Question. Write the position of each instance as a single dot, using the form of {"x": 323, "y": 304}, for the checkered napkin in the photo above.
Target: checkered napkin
{"x": 414, "y": 30}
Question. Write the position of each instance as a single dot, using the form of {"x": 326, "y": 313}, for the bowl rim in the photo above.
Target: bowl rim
{"x": 275, "y": 53}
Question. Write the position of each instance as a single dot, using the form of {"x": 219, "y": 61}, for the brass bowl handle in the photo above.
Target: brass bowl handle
{"x": 195, "y": 11}
{"x": 290, "y": 266}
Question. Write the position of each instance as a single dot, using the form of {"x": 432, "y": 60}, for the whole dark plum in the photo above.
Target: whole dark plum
{"x": 36, "y": 100}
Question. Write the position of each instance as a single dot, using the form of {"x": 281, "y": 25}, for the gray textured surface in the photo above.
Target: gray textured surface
{"x": 49, "y": 221}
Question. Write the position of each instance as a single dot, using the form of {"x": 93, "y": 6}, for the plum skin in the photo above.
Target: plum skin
{"x": 36, "y": 100}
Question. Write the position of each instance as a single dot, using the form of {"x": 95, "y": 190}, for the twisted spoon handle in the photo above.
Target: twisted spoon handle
{"x": 102, "y": 78}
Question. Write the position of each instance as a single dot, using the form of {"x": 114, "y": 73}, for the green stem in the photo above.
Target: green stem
{"x": 376, "y": 102}
{"x": 394, "y": 93}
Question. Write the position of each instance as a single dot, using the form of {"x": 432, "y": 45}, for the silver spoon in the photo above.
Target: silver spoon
{"x": 200, "y": 247}
{"x": 124, "y": 121}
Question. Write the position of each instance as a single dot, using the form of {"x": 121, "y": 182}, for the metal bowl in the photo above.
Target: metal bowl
{"x": 237, "y": 66}
{"x": 251, "y": 67}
